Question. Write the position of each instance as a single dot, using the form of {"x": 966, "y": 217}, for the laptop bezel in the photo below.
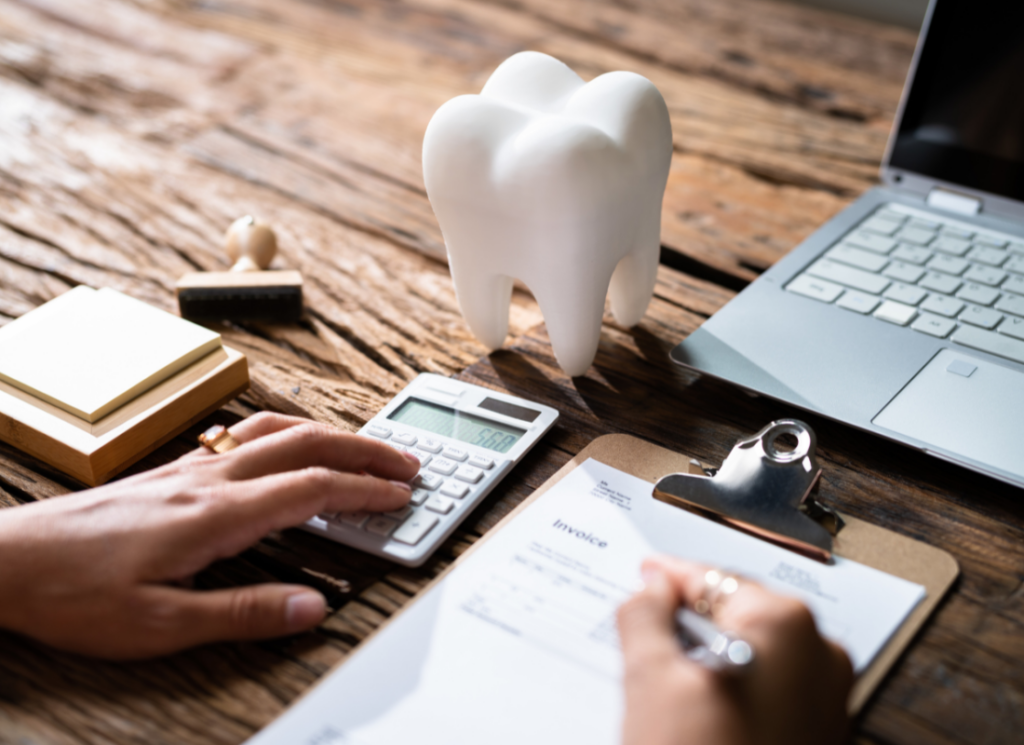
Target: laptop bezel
{"x": 921, "y": 185}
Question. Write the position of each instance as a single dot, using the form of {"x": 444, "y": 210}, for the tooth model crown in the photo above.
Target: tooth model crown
{"x": 557, "y": 183}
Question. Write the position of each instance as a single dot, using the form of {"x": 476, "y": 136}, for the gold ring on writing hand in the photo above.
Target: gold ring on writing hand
{"x": 218, "y": 439}
{"x": 718, "y": 586}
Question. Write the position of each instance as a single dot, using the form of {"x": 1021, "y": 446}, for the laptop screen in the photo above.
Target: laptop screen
{"x": 964, "y": 118}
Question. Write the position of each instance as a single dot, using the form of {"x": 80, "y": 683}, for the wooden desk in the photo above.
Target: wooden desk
{"x": 133, "y": 133}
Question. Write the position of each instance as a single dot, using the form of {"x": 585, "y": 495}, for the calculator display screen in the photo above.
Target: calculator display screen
{"x": 457, "y": 425}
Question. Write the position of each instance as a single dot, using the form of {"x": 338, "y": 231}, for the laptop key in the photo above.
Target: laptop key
{"x": 919, "y": 236}
{"x": 881, "y": 225}
{"x": 942, "y": 283}
{"x": 1013, "y": 327}
{"x": 1015, "y": 264}
{"x": 992, "y": 342}
{"x": 897, "y": 313}
{"x": 950, "y": 245}
{"x": 957, "y": 232}
{"x": 986, "y": 255}
{"x": 948, "y": 264}
{"x": 904, "y": 293}
{"x": 912, "y": 254}
{"x": 887, "y": 214}
{"x": 857, "y": 257}
{"x": 934, "y": 325}
{"x": 1011, "y": 304}
{"x": 818, "y": 289}
{"x": 943, "y": 305}
{"x": 985, "y": 318}
{"x": 903, "y": 272}
{"x": 975, "y": 293}
{"x": 990, "y": 240}
{"x": 858, "y": 302}
{"x": 849, "y": 276}
{"x": 1014, "y": 284}
{"x": 986, "y": 275}
{"x": 871, "y": 241}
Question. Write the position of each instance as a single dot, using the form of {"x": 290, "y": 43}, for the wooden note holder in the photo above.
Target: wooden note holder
{"x": 94, "y": 452}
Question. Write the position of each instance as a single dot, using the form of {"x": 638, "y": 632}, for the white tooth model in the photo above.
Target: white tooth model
{"x": 557, "y": 183}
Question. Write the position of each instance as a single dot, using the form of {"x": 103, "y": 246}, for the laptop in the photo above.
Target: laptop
{"x": 904, "y": 315}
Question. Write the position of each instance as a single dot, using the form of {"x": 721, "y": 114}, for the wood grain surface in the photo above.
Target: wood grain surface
{"x": 133, "y": 132}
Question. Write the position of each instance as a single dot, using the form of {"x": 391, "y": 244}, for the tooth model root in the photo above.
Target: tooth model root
{"x": 557, "y": 183}
{"x": 484, "y": 301}
{"x": 633, "y": 282}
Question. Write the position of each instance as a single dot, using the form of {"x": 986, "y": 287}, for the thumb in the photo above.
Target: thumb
{"x": 253, "y": 612}
{"x": 647, "y": 622}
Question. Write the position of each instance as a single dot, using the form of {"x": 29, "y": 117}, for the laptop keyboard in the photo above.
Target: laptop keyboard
{"x": 935, "y": 276}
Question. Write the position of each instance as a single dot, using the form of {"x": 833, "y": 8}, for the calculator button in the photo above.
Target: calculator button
{"x": 437, "y": 503}
{"x": 430, "y": 444}
{"x": 451, "y": 489}
{"x": 377, "y": 431}
{"x": 354, "y": 519}
{"x": 401, "y": 513}
{"x": 423, "y": 456}
{"x": 412, "y": 530}
{"x": 429, "y": 481}
{"x": 443, "y": 466}
{"x": 457, "y": 454}
{"x": 419, "y": 496}
{"x": 469, "y": 474}
{"x": 480, "y": 462}
{"x": 404, "y": 438}
{"x": 380, "y": 525}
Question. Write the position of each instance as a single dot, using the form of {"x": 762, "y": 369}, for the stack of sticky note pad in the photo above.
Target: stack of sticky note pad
{"x": 93, "y": 380}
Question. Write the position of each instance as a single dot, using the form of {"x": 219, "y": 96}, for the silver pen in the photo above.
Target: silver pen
{"x": 705, "y": 643}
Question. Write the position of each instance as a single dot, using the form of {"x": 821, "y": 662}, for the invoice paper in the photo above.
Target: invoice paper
{"x": 518, "y": 644}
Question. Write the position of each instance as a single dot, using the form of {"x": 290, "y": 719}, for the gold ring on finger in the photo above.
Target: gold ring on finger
{"x": 218, "y": 439}
{"x": 718, "y": 587}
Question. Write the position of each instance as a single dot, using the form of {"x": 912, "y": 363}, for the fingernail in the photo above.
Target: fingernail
{"x": 304, "y": 610}
{"x": 412, "y": 458}
{"x": 651, "y": 573}
{"x": 402, "y": 485}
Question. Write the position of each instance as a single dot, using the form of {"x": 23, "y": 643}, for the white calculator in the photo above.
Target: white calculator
{"x": 467, "y": 439}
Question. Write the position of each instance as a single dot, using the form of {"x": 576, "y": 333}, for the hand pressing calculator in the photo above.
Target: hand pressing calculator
{"x": 467, "y": 439}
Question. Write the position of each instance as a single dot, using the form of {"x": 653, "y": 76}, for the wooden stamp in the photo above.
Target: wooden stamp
{"x": 249, "y": 291}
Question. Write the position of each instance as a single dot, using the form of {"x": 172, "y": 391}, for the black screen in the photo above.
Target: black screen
{"x": 964, "y": 119}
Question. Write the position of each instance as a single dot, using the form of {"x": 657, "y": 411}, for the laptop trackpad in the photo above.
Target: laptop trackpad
{"x": 966, "y": 406}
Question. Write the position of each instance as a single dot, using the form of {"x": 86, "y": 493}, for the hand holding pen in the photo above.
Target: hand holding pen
{"x": 791, "y": 687}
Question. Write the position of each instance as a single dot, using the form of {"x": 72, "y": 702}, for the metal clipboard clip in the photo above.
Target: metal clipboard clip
{"x": 763, "y": 490}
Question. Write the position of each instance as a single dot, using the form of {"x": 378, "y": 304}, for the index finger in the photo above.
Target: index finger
{"x": 311, "y": 445}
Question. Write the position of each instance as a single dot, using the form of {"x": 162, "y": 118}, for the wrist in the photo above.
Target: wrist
{"x": 10, "y": 595}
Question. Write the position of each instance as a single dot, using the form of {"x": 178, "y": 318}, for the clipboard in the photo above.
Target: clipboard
{"x": 859, "y": 541}
{"x": 353, "y": 678}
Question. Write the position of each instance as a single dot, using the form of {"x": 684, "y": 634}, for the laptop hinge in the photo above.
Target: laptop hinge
{"x": 950, "y": 201}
